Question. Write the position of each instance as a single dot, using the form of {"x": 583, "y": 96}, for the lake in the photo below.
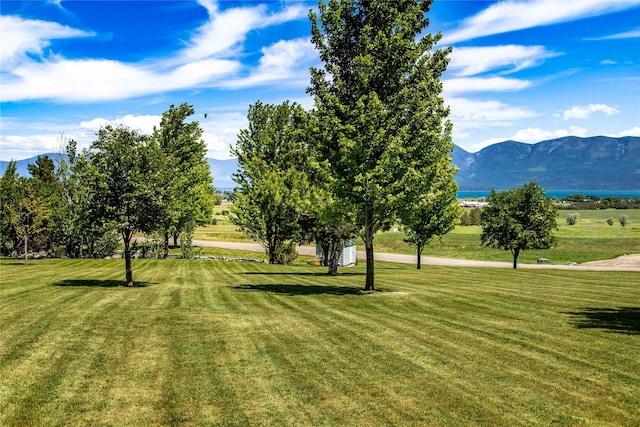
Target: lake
{"x": 561, "y": 194}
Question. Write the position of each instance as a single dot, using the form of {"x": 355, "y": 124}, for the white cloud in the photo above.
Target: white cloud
{"x": 509, "y": 58}
{"x": 142, "y": 123}
{"x": 467, "y": 113}
{"x": 584, "y": 111}
{"x": 99, "y": 80}
{"x": 608, "y": 62}
{"x": 633, "y": 34}
{"x": 514, "y": 15}
{"x": 530, "y": 136}
{"x": 634, "y": 131}
{"x": 286, "y": 60}
{"x": 28, "y": 36}
{"x": 19, "y": 147}
{"x": 478, "y": 84}
{"x": 208, "y": 59}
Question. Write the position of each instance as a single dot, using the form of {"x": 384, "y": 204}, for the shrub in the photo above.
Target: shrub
{"x": 106, "y": 245}
{"x": 610, "y": 220}
{"x": 285, "y": 253}
{"x": 573, "y": 219}
{"x": 624, "y": 220}
{"x": 214, "y": 221}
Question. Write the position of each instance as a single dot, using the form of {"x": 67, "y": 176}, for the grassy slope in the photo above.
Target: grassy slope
{"x": 245, "y": 344}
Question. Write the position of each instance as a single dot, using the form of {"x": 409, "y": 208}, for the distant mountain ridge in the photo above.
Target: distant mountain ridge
{"x": 569, "y": 163}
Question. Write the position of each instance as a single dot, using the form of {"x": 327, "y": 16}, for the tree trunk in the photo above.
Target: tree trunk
{"x": 126, "y": 237}
{"x": 369, "y": 231}
{"x": 515, "y": 253}
{"x": 26, "y": 254}
{"x": 175, "y": 239}
{"x": 419, "y": 259}
{"x": 325, "y": 244}
{"x": 333, "y": 257}
{"x": 165, "y": 253}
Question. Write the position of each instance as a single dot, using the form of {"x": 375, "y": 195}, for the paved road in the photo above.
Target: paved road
{"x": 634, "y": 265}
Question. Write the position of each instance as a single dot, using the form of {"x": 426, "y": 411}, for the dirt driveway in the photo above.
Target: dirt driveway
{"x": 623, "y": 263}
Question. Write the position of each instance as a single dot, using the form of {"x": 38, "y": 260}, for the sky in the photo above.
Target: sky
{"x": 527, "y": 70}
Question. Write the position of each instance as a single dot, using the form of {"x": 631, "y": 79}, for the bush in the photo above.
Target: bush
{"x": 624, "y": 220}
{"x": 285, "y": 253}
{"x": 106, "y": 245}
{"x": 610, "y": 220}
{"x": 471, "y": 217}
{"x": 573, "y": 219}
{"x": 214, "y": 221}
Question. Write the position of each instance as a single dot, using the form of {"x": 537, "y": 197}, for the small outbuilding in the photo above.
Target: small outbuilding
{"x": 347, "y": 255}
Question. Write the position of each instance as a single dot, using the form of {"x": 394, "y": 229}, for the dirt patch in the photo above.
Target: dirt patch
{"x": 625, "y": 261}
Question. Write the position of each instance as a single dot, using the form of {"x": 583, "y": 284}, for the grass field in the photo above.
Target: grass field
{"x": 224, "y": 343}
{"x": 590, "y": 239}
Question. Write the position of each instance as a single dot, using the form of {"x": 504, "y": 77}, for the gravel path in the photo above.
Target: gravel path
{"x": 623, "y": 263}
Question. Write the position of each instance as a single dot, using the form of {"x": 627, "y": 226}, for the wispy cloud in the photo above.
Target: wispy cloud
{"x": 633, "y": 34}
{"x": 211, "y": 56}
{"x": 514, "y": 15}
{"x": 286, "y": 60}
{"x": 480, "y": 84}
{"x": 28, "y": 36}
{"x": 468, "y": 113}
{"x": 584, "y": 111}
{"x": 468, "y": 61}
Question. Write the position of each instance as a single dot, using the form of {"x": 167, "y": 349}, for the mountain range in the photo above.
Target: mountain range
{"x": 569, "y": 163}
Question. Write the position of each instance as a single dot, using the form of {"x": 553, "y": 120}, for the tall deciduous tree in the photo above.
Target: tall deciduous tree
{"x": 379, "y": 105}
{"x": 519, "y": 219}
{"x": 273, "y": 185}
{"x": 124, "y": 178}
{"x": 188, "y": 191}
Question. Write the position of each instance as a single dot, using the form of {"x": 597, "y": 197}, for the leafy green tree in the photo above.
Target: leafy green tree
{"x": 381, "y": 117}
{"x": 273, "y": 186}
{"x": 435, "y": 213}
{"x": 188, "y": 191}
{"x": 9, "y": 199}
{"x": 29, "y": 215}
{"x": 519, "y": 219}
{"x": 124, "y": 185}
{"x": 48, "y": 187}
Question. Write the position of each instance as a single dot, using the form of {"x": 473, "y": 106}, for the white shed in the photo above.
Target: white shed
{"x": 347, "y": 255}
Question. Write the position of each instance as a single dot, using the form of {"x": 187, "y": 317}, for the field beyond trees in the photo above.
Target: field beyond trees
{"x": 590, "y": 239}
{"x": 227, "y": 343}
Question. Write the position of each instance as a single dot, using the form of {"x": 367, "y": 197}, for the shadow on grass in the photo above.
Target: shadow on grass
{"x": 100, "y": 283}
{"x": 289, "y": 289}
{"x": 625, "y": 320}
{"x": 284, "y": 273}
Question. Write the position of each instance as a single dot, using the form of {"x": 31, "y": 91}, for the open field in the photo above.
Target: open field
{"x": 591, "y": 239}
{"x": 225, "y": 343}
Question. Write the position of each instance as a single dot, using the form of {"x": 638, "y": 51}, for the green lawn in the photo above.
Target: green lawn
{"x": 590, "y": 239}
{"x": 225, "y": 343}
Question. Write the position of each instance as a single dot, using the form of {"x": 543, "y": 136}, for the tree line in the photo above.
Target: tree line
{"x": 124, "y": 183}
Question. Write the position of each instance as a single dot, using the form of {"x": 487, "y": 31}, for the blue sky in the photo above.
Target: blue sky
{"x": 523, "y": 70}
